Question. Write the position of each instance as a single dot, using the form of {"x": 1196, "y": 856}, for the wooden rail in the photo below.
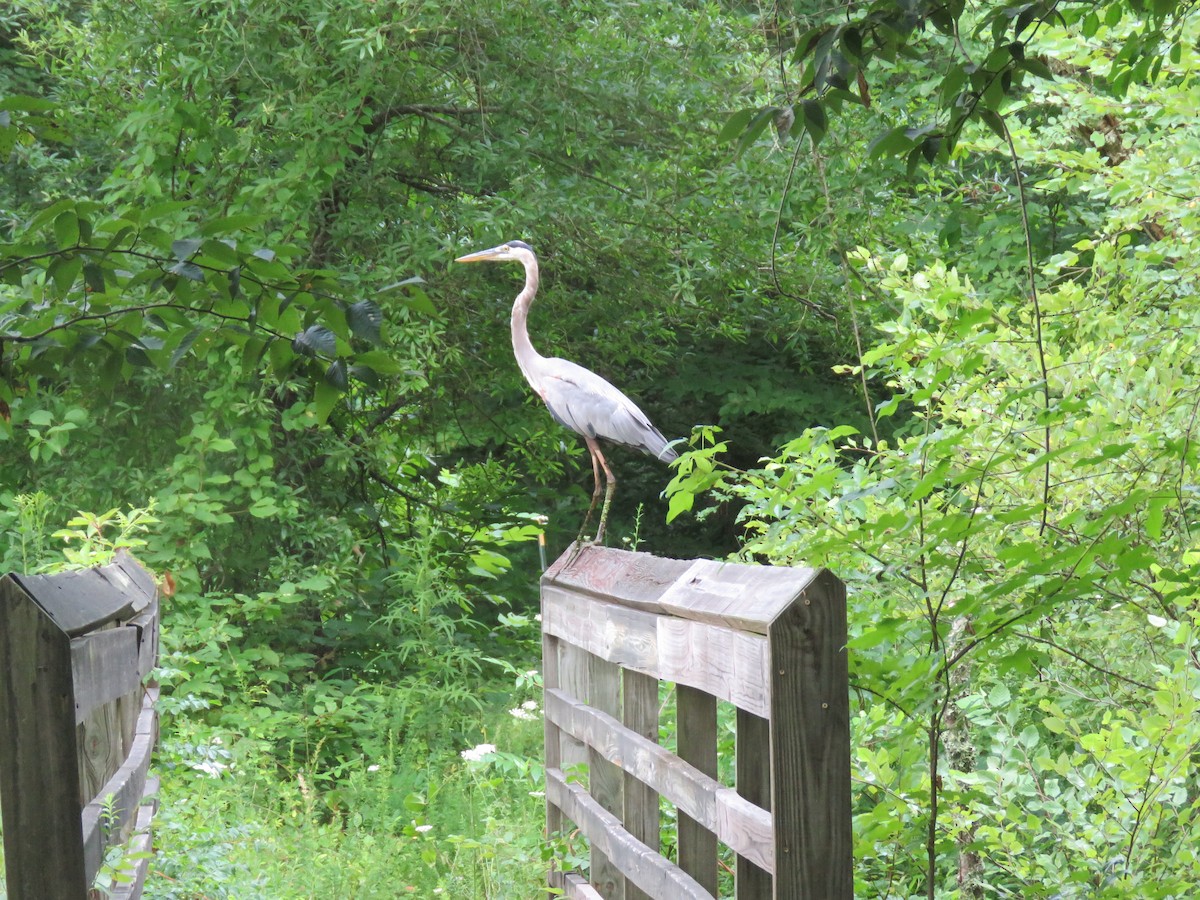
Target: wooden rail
{"x": 77, "y": 727}
{"x": 769, "y": 641}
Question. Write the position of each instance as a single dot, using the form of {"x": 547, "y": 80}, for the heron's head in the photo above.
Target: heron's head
{"x": 504, "y": 253}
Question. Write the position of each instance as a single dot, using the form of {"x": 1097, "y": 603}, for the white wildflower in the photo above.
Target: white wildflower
{"x": 421, "y": 829}
{"x": 478, "y": 752}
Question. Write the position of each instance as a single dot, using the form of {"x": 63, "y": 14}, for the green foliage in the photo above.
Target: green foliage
{"x": 1025, "y": 674}
{"x": 974, "y": 61}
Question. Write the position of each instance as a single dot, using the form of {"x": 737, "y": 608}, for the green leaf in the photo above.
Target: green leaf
{"x": 185, "y": 247}
{"x": 993, "y": 120}
{"x": 24, "y": 103}
{"x": 365, "y": 319}
{"x": 735, "y": 125}
{"x": 999, "y": 697}
{"x": 757, "y": 126}
{"x": 890, "y": 143}
{"x": 815, "y": 120}
{"x": 231, "y": 224}
{"x": 365, "y": 374}
{"x": 316, "y": 340}
{"x": 681, "y": 501}
{"x": 93, "y": 277}
{"x": 66, "y": 229}
{"x": 190, "y": 271}
{"x": 1035, "y": 66}
{"x": 184, "y": 345}
{"x": 337, "y": 376}
{"x": 325, "y": 398}
{"x": 380, "y": 361}
{"x": 64, "y": 271}
{"x": 221, "y": 252}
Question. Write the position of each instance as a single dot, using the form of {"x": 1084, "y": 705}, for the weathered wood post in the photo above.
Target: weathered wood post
{"x": 76, "y": 725}
{"x": 769, "y": 641}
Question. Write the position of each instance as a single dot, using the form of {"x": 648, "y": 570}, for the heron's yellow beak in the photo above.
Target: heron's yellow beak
{"x": 493, "y": 253}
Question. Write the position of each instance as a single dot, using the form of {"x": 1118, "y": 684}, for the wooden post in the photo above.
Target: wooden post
{"x": 810, "y": 744}
{"x": 76, "y": 724}
{"x": 39, "y": 790}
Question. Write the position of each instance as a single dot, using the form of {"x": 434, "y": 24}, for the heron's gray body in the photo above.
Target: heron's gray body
{"x": 576, "y": 397}
{"x": 588, "y": 405}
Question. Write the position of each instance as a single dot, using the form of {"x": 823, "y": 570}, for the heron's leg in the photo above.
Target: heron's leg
{"x": 594, "y": 450}
{"x": 608, "y": 495}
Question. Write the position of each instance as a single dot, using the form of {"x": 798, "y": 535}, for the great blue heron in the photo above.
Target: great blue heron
{"x": 579, "y": 399}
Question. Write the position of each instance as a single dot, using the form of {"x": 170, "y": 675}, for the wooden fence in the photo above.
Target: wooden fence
{"x": 77, "y": 726}
{"x": 769, "y": 641}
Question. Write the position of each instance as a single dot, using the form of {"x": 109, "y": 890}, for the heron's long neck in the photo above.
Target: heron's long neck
{"x": 527, "y": 357}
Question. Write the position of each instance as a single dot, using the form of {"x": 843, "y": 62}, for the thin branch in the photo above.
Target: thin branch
{"x": 1037, "y": 317}
{"x": 1087, "y": 662}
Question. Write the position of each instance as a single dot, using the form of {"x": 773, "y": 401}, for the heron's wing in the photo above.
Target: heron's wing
{"x": 586, "y": 403}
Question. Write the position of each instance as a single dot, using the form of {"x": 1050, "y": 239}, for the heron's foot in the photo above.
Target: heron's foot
{"x": 578, "y": 547}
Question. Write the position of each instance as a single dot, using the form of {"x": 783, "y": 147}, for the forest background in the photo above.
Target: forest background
{"x": 913, "y": 279}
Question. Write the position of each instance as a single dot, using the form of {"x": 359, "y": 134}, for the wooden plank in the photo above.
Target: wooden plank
{"x": 728, "y": 664}
{"x": 810, "y": 746}
{"x": 696, "y": 738}
{"x": 636, "y": 578}
{"x": 104, "y": 666}
{"x": 552, "y": 751}
{"x": 652, "y": 873}
{"x": 604, "y": 778}
{"x": 573, "y": 886}
{"x": 126, "y": 788}
{"x": 741, "y": 596}
{"x": 573, "y": 674}
{"x": 639, "y": 713}
{"x": 141, "y": 844}
{"x": 744, "y": 597}
{"x": 82, "y": 601}
{"x": 736, "y": 822}
{"x": 39, "y": 778}
{"x": 102, "y": 745}
{"x": 752, "y": 773}
{"x": 147, "y": 625}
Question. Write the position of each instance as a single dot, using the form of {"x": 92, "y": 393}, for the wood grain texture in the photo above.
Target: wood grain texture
{"x": 718, "y": 809}
{"x": 810, "y": 745}
{"x": 745, "y": 597}
{"x": 604, "y": 778}
{"x": 655, "y": 875}
{"x": 147, "y": 625}
{"x": 573, "y": 886}
{"x": 125, "y": 788}
{"x": 752, "y": 773}
{"x": 636, "y": 578}
{"x": 769, "y": 640}
{"x": 696, "y": 738}
{"x": 104, "y": 666}
{"x": 639, "y": 713}
{"x": 552, "y": 753}
{"x": 39, "y": 776}
{"x": 728, "y": 664}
